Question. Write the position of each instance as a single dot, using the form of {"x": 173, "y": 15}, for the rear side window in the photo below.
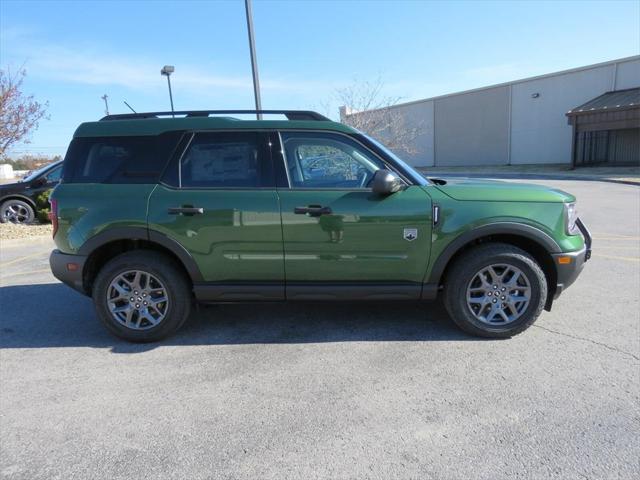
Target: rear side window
{"x": 223, "y": 160}
{"x": 118, "y": 159}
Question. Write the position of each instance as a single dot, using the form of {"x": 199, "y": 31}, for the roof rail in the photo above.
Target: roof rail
{"x": 290, "y": 114}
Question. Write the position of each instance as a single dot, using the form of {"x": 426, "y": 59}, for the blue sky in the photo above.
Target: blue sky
{"x": 74, "y": 52}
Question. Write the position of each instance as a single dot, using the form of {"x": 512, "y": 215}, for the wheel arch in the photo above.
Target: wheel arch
{"x": 530, "y": 239}
{"x": 100, "y": 248}
{"x": 17, "y": 196}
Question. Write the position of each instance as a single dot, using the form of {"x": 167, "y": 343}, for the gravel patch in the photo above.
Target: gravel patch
{"x": 10, "y": 231}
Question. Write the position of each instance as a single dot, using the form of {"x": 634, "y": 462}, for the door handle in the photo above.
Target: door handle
{"x": 313, "y": 210}
{"x": 185, "y": 211}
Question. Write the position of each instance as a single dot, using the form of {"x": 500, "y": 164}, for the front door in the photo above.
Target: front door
{"x": 219, "y": 202}
{"x": 340, "y": 239}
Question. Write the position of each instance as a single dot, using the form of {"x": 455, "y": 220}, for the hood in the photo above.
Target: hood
{"x": 6, "y": 188}
{"x": 470, "y": 189}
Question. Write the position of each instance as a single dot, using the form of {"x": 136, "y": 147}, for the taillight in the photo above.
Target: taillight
{"x": 53, "y": 215}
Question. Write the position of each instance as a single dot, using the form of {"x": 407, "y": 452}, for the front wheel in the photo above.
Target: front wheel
{"x": 495, "y": 290}
{"x": 142, "y": 296}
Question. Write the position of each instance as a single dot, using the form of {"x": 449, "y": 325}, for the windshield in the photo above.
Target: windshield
{"x": 416, "y": 176}
{"x": 33, "y": 175}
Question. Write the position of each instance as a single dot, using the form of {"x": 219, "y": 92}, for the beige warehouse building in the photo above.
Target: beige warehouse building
{"x": 526, "y": 122}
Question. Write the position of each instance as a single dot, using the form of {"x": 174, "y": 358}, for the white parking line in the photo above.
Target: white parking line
{"x": 20, "y": 259}
{"x": 614, "y": 257}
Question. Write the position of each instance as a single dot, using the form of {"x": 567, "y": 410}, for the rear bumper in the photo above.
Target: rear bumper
{"x": 68, "y": 269}
{"x": 567, "y": 273}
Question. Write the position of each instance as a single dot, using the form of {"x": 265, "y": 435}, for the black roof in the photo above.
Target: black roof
{"x": 619, "y": 99}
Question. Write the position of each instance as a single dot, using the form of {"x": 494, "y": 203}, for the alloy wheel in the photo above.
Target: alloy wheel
{"x": 137, "y": 300}
{"x": 15, "y": 213}
{"x": 498, "y": 294}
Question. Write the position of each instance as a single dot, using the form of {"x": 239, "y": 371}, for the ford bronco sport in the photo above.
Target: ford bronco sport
{"x": 156, "y": 210}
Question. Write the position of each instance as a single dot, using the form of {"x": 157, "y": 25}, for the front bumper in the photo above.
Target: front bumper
{"x": 68, "y": 269}
{"x": 568, "y": 271}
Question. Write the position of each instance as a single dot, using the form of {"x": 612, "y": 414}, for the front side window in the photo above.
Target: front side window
{"x": 226, "y": 160}
{"x": 35, "y": 174}
{"x": 326, "y": 160}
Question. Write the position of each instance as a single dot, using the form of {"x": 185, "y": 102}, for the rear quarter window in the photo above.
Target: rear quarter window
{"x": 130, "y": 159}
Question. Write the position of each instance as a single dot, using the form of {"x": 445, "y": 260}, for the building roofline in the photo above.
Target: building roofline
{"x": 505, "y": 84}
{"x": 580, "y": 109}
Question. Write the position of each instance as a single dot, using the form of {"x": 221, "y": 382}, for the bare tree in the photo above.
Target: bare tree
{"x": 368, "y": 110}
{"x": 19, "y": 113}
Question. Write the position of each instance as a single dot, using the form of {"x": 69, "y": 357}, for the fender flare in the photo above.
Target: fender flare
{"x": 499, "y": 228}
{"x": 142, "y": 233}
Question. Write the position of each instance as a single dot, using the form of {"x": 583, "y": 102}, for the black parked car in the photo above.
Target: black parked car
{"x": 18, "y": 200}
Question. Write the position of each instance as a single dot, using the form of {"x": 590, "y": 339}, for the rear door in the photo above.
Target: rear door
{"x": 218, "y": 200}
{"x": 340, "y": 239}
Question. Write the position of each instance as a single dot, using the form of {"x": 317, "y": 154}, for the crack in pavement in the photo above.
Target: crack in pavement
{"x": 615, "y": 349}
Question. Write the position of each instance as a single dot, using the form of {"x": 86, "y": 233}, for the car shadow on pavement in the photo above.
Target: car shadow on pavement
{"x": 52, "y": 315}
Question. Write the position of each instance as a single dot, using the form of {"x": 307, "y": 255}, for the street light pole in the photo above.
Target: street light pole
{"x": 106, "y": 104}
{"x": 167, "y": 70}
{"x": 254, "y": 63}
{"x": 170, "y": 94}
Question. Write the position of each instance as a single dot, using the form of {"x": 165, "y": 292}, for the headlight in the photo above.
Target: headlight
{"x": 572, "y": 216}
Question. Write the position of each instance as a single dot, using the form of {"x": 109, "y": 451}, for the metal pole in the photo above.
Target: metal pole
{"x": 254, "y": 63}
{"x": 170, "y": 94}
{"x": 106, "y": 104}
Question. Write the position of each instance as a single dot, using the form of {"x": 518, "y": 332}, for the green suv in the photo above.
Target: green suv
{"x": 156, "y": 210}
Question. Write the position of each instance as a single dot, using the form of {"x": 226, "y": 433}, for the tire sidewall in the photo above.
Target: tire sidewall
{"x": 457, "y": 293}
{"x": 177, "y": 310}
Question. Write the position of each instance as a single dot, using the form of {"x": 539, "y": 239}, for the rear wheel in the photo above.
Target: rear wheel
{"x": 142, "y": 296}
{"x": 16, "y": 211}
{"x": 495, "y": 290}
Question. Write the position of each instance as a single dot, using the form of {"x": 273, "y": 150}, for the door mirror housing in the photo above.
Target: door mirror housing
{"x": 385, "y": 182}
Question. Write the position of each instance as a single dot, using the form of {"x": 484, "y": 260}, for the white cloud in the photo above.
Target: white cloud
{"x": 90, "y": 66}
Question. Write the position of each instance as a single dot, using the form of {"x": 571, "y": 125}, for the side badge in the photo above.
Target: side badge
{"x": 410, "y": 234}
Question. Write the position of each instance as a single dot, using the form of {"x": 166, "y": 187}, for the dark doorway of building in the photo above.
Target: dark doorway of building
{"x": 612, "y": 147}
{"x": 606, "y": 130}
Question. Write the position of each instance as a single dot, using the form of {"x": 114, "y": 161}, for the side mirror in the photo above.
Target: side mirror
{"x": 386, "y": 182}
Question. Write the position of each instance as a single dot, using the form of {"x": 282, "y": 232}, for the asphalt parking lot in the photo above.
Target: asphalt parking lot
{"x": 329, "y": 391}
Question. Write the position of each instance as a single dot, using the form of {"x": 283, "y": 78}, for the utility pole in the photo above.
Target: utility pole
{"x": 106, "y": 104}
{"x": 254, "y": 63}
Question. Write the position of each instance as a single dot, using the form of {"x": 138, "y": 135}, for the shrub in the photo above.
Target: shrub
{"x": 43, "y": 208}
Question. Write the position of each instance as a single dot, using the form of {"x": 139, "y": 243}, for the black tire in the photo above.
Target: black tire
{"x": 165, "y": 269}
{"x": 462, "y": 272}
{"x": 24, "y": 212}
